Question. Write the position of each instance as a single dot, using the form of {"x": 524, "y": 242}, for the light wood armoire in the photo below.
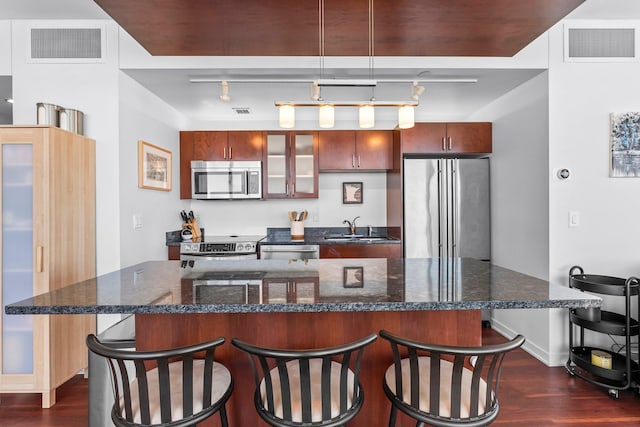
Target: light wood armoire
{"x": 48, "y": 242}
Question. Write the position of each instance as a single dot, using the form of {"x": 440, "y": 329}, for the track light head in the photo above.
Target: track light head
{"x": 315, "y": 91}
{"x": 416, "y": 91}
{"x": 225, "y": 91}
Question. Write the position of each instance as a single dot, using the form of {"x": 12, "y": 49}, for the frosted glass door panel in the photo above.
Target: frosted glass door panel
{"x": 305, "y": 165}
{"x": 276, "y": 164}
{"x": 17, "y": 255}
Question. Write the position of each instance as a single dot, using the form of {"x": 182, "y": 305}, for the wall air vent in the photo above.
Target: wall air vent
{"x": 242, "y": 110}
{"x": 66, "y": 44}
{"x": 601, "y": 44}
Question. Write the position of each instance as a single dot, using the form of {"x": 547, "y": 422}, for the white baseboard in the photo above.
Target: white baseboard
{"x": 556, "y": 359}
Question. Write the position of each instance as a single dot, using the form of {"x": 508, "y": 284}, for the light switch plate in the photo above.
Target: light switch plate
{"x": 574, "y": 219}
{"x": 137, "y": 221}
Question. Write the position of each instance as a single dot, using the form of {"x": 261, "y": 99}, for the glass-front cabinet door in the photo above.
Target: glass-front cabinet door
{"x": 17, "y": 256}
{"x": 291, "y": 165}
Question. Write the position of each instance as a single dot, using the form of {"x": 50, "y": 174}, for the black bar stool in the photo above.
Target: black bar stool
{"x": 307, "y": 388}
{"x": 168, "y": 387}
{"x": 445, "y": 386}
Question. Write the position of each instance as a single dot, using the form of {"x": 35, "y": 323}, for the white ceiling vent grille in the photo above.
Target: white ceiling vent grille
{"x": 605, "y": 43}
{"x": 73, "y": 44}
{"x": 242, "y": 110}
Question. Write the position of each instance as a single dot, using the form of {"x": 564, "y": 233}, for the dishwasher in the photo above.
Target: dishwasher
{"x": 289, "y": 251}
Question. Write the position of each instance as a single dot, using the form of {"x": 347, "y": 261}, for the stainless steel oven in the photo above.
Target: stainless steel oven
{"x": 220, "y": 248}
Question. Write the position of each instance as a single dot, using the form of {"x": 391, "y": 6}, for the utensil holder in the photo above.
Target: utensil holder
{"x": 297, "y": 230}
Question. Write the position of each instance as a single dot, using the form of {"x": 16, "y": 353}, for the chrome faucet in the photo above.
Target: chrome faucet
{"x": 352, "y": 224}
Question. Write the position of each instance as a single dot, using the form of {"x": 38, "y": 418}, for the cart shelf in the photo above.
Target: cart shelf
{"x": 625, "y": 370}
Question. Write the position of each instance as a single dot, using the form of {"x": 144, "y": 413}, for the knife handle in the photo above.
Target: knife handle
{"x": 39, "y": 259}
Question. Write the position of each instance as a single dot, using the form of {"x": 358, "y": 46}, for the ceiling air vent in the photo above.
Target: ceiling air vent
{"x": 242, "y": 110}
{"x": 66, "y": 43}
{"x": 601, "y": 44}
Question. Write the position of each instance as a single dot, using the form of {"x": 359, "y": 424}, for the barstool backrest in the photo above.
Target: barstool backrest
{"x": 307, "y": 387}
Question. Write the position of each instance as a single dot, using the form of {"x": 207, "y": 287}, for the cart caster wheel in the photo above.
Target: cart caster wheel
{"x": 613, "y": 393}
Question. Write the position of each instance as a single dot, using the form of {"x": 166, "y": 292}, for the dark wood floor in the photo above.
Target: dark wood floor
{"x": 530, "y": 395}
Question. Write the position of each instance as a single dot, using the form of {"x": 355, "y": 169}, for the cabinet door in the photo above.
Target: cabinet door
{"x": 304, "y": 165}
{"x": 244, "y": 145}
{"x": 336, "y": 150}
{"x": 374, "y": 150}
{"x": 17, "y": 278}
{"x": 274, "y": 176}
{"x": 424, "y": 138}
{"x": 469, "y": 137}
{"x": 186, "y": 155}
{"x": 210, "y": 145}
{"x": 361, "y": 251}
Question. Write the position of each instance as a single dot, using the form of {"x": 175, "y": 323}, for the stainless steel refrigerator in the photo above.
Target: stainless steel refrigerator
{"x": 446, "y": 208}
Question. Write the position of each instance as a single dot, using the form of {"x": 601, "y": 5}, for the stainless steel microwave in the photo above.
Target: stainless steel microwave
{"x": 212, "y": 180}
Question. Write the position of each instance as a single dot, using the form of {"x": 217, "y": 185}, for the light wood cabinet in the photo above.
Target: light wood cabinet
{"x": 48, "y": 242}
{"x": 353, "y": 150}
{"x": 447, "y": 138}
{"x": 291, "y": 165}
{"x": 215, "y": 145}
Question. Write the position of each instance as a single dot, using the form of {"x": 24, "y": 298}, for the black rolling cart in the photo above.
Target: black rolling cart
{"x": 614, "y": 370}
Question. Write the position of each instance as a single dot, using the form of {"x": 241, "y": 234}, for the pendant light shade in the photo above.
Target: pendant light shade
{"x": 406, "y": 117}
{"x": 326, "y": 116}
{"x": 287, "y": 116}
{"x": 367, "y": 116}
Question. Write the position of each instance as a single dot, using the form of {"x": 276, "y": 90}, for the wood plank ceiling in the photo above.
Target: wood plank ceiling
{"x": 291, "y": 27}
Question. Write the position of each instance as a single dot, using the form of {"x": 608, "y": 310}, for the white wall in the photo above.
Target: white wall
{"x": 582, "y": 95}
{"x": 143, "y": 116}
{"x": 5, "y": 48}
{"x": 92, "y": 89}
{"x": 253, "y": 217}
{"x": 519, "y": 200}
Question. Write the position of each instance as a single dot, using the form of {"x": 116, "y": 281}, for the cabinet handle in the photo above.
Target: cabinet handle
{"x": 230, "y": 153}
{"x": 39, "y": 259}
{"x": 358, "y": 160}
{"x": 287, "y": 189}
{"x": 224, "y": 152}
{"x": 444, "y": 146}
{"x": 353, "y": 160}
{"x": 449, "y": 143}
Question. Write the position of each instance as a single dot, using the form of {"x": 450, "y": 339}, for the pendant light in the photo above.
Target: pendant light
{"x": 287, "y": 116}
{"x": 406, "y": 117}
{"x": 366, "y": 116}
{"x": 326, "y": 116}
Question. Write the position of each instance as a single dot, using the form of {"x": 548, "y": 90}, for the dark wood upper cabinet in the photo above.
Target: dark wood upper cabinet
{"x": 245, "y": 145}
{"x": 382, "y": 250}
{"x": 290, "y": 167}
{"x": 210, "y": 145}
{"x": 447, "y": 138}
{"x": 350, "y": 150}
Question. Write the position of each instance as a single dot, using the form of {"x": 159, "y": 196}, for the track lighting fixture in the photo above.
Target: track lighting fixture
{"x": 416, "y": 91}
{"x": 225, "y": 91}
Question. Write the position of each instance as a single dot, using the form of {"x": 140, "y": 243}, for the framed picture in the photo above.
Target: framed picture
{"x": 154, "y": 167}
{"x": 352, "y": 277}
{"x": 351, "y": 192}
{"x": 625, "y": 145}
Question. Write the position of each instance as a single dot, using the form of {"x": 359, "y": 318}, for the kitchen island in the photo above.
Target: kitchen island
{"x": 305, "y": 304}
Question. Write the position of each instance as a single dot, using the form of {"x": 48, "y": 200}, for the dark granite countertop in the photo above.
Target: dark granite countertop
{"x": 320, "y": 286}
{"x": 317, "y": 236}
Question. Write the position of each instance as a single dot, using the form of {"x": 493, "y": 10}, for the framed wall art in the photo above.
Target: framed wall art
{"x": 625, "y": 145}
{"x": 353, "y": 277}
{"x": 351, "y": 192}
{"x": 154, "y": 167}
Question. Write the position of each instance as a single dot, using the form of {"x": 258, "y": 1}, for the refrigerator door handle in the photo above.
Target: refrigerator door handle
{"x": 443, "y": 204}
{"x": 455, "y": 204}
